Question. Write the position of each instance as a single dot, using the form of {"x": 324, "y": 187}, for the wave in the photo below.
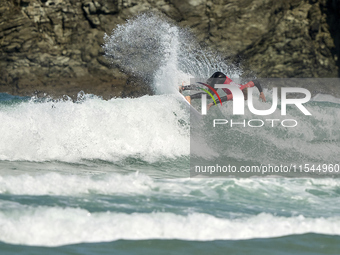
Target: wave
{"x": 229, "y": 197}
{"x": 149, "y": 128}
{"x": 57, "y": 226}
{"x": 138, "y": 183}
{"x": 157, "y": 128}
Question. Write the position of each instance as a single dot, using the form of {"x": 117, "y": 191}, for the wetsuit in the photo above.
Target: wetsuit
{"x": 221, "y": 78}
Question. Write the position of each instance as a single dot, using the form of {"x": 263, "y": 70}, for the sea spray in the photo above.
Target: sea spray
{"x": 162, "y": 53}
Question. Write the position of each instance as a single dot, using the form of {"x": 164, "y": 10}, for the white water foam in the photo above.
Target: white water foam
{"x": 56, "y": 226}
{"x": 75, "y": 185}
{"x": 148, "y": 128}
{"x": 140, "y": 184}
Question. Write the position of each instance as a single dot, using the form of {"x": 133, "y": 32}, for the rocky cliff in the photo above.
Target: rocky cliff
{"x": 53, "y": 47}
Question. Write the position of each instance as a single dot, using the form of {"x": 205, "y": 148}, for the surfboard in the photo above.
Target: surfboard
{"x": 193, "y": 112}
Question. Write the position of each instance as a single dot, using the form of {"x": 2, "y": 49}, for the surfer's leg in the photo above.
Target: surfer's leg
{"x": 216, "y": 78}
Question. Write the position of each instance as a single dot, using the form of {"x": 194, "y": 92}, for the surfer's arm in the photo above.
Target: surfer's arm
{"x": 258, "y": 86}
{"x": 255, "y": 83}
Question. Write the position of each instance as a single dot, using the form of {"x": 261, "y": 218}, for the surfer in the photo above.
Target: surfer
{"x": 221, "y": 78}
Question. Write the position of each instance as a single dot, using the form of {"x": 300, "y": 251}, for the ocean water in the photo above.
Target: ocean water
{"x": 112, "y": 176}
{"x": 99, "y": 176}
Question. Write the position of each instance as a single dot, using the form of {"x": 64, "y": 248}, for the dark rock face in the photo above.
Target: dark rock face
{"x": 54, "y": 46}
{"x": 298, "y": 44}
